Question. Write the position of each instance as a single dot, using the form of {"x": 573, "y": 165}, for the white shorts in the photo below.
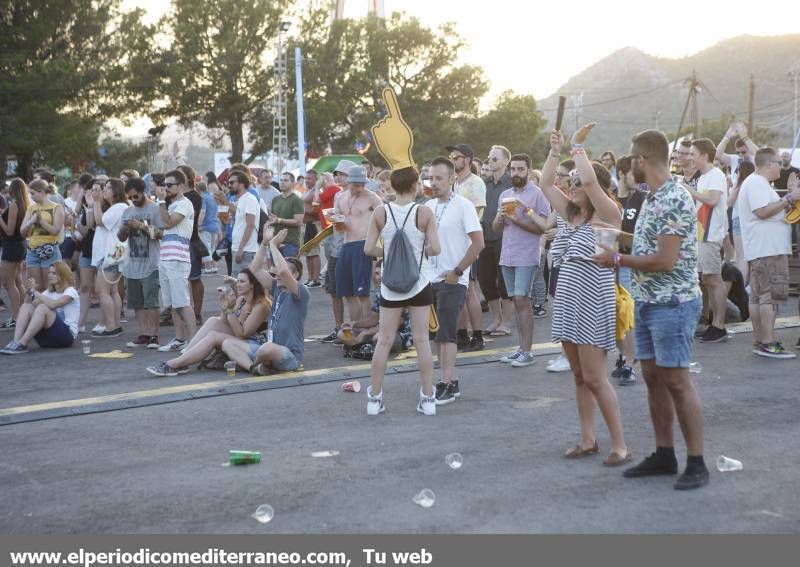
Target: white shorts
{"x": 210, "y": 240}
{"x": 174, "y": 279}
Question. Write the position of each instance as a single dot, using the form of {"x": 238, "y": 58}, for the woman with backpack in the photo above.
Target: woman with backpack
{"x": 403, "y": 284}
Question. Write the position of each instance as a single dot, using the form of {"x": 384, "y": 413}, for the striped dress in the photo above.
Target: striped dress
{"x": 585, "y": 308}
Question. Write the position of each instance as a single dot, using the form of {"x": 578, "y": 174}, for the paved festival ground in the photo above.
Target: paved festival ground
{"x": 156, "y": 467}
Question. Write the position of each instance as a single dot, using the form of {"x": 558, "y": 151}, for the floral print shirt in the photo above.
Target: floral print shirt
{"x": 668, "y": 211}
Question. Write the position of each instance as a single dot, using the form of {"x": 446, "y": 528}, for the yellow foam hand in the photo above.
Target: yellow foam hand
{"x": 392, "y": 135}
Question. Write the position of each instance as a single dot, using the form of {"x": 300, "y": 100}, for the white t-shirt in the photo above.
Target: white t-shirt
{"x": 712, "y": 225}
{"x": 455, "y": 219}
{"x": 761, "y": 237}
{"x": 245, "y": 205}
{"x": 72, "y": 310}
{"x": 175, "y": 240}
{"x": 102, "y": 241}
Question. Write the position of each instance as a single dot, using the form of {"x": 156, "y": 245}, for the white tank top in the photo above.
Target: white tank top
{"x": 415, "y": 237}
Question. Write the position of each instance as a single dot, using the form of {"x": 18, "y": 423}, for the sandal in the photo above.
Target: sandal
{"x": 615, "y": 459}
{"x": 578, "y": 452}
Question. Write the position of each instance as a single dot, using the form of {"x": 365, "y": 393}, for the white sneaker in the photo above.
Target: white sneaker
{"x": 511, "y": 357}
{"x": 560, "y": 364}
{"x": 524, "y": 359}
{"x": 173, "y": 346}
{"x": 427, "y": 404}
{"x": 374, "y": 403}
{"x": 98, "y": 328}
{"x": 82, "y": 329}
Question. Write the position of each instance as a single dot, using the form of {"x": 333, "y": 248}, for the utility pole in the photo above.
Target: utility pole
{"x": 578, "y": 104}
{"x": 301, "y": 123}
{"x": 280, "y": 136}
{"x": 691, "y": 100}
{"x": 750, "y": 105}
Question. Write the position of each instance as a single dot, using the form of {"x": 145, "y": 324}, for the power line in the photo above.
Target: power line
{"x": 602, "y": 102}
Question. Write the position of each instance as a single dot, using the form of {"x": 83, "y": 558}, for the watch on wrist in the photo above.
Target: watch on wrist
{"x": 458, "y": 271}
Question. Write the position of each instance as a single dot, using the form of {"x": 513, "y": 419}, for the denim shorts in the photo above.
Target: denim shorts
{"x": 625, "y": 278}
{"x": 34, "y": 261}
{"x": 287, "y": 362}
{"x": 519, "y": 280}
{"x": 665, "y": 332}
{"x": 247, "y": 259}
{"x": 84, "y": 262}
{"x": 736, "y": 226}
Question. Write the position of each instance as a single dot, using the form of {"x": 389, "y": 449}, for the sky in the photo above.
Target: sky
{"x": 535, "y": 47}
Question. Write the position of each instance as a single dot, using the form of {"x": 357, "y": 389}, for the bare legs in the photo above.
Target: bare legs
{"x": 32, "y": 320}
{"x": 592, "y": 388}
{"x": 11, "y": 280}
{"x": 87, "y": 285}
{"x": 716, "y": 298}
{"x": 107, "y": 288}
{"x": 387, "y": 328}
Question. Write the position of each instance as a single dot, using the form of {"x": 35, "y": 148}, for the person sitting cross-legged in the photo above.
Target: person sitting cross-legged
{"x": 244, "y": 315}
{"x": 50, "y": 318}
{"x": 284, "y": 348}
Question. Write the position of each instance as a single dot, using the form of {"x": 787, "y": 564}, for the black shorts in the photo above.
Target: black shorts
{"x": 330, "y": 276}
{"x": 14, "y": 251}
{"x": 197, "y": 251}
{"x": 553, "y": 282}
{"x": 423, "y": 298}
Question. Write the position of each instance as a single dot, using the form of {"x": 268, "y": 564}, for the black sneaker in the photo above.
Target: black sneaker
{"x": 539, "y": 312}
{"x": 797, "y": 346}
{"x": 691, "y": 480}
{"x": 701, "y": 331}
{"x": 447, "y": 394}
{"x": 108, "y": 333}
{"x": 456, "y": 390}
{"x": 462, "y": 342}
{"x": 331, "y": 337}
{"x": 475, "y": 343}
{"x": 652, "y": 466}
{"x": 714, "y": 335}
{"x": 628, "y": 376}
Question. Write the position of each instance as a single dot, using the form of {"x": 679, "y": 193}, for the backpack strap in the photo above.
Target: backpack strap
{"x": 408, "y": 214}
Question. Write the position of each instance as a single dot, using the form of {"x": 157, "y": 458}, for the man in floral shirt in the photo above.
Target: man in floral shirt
{"x": 667, "y": 294}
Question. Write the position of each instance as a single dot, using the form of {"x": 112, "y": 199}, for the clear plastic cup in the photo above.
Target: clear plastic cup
{"x": 425, "y": 498}
{"x": 264, "y": 513}
{"x": 230, "y": 368}
{"x": 726, "y": 464}
{"x": 454, "y": 461}
{"x": 87, "y": 346}
{"x": 604, "y": 236}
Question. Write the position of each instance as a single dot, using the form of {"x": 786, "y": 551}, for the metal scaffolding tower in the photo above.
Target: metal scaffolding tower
{"x": 280, "y": 90}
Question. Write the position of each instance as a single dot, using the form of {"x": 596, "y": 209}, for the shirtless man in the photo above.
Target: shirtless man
{"x": 354, "y": 268}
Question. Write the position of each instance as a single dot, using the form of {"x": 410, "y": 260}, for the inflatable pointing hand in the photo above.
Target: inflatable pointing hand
{"x": 392, "y": 135}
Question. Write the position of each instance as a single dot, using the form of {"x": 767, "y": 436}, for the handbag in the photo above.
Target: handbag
{"x": 625, "y": 308}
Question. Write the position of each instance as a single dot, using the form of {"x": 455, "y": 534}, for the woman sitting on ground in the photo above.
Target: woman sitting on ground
{"x": 245, "y": 314}
{"x": 50, "y": 318}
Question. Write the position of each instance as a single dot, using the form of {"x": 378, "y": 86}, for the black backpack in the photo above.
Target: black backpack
{"x": 400, "y": 267}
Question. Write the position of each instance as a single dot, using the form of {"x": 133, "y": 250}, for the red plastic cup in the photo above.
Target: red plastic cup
{"x": 354, "y": 386}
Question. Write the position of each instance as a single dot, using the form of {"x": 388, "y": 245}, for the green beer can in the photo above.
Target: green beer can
{"x": 244, "y": 458}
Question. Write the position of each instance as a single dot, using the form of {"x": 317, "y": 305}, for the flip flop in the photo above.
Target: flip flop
{"x": 578, "y": 452}
{"x": 498, "y": 333}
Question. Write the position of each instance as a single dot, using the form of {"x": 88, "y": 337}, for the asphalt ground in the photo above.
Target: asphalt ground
{"x": 158, "y": 468}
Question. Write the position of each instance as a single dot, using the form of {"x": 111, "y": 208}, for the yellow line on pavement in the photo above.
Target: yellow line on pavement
{"x": 539, "y": 348}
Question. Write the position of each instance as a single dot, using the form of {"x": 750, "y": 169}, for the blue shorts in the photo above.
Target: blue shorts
{"x": 84, "y": 262}
{"x": 736, "y": 226}
{"x": 665, "y": 332}
{"x": 34, "y": 261}
{"x": 288, "y": 361}
{"x": 254, "y": 345}
{"x": 519, "y": 280}
{"x": 67, "y": 248}
{"x": 56, "y": 335}
{"x": 290, "y": 250}
{"x": 625, "y": 278}
{"x": 353, "y": 271}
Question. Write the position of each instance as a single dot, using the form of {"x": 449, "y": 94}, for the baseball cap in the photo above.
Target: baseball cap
{"x": 344, "y": 166}
{"x": 463, "y": 148}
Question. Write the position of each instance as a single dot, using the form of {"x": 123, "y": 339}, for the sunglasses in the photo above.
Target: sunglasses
{"x": 168, "y": 185}
{"x": 232, "y": 184}
{"x": 744, "y": 153}
{"x": 455, "y": 157}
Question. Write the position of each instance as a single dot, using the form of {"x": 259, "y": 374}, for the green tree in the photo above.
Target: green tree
{"x": 350, "y": 61}
{"x": 116, "y": 154}
{"x": 63, "y": 69}
{"x": 215, "y": 66}
{"x": 514, "y": 122}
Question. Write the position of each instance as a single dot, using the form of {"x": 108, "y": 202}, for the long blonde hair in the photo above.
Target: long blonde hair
{"x": 64, "y": 274}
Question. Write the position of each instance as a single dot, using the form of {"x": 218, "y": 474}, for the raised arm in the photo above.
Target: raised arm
{"x": 281, "y": 266}
{"x": 553, "y": 194}
{"x": 604, "y": 206}
{"x": 721, "y": 156}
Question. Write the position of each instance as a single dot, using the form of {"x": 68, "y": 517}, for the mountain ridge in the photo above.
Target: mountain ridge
{"x": 630, "y": 90}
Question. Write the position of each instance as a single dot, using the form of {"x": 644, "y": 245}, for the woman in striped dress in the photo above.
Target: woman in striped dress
{"x": 584, "y": 310}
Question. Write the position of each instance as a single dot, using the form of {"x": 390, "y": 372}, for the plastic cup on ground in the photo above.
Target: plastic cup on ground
{"x": 354, "y": 386}
{"x": 264, "y": 513}
{"x": 604, "y": 236}
{"x": 230, "y": 368}
{"x": 425, "y": 498}
{"x": 454, "y": 461}
{"x": 695, "y": 367}
{"x": 87, "y": 346}
{"x": 726, "y": 464}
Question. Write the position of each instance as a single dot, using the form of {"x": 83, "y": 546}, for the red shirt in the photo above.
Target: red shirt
{"x": 326, "y": 197}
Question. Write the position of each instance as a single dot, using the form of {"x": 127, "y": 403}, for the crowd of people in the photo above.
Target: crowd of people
{"x": 699, "y": 236}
